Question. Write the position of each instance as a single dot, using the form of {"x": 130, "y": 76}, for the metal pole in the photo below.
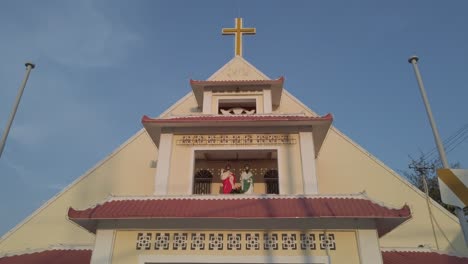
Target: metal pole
{"x": 29, "y": 67}
{"x": 459, "y": 211}
{"x": 414, "y": 60}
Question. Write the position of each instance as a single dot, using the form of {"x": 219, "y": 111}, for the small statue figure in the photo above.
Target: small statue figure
{"x": 246, "y": 179}
{"x": 228, "y": 179}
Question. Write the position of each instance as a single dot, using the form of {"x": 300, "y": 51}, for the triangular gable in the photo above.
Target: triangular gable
{"x": 51, "y": 217}
{"x": 238, "y": 69}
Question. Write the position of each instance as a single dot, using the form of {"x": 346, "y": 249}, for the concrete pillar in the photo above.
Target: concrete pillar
{"x": 267, "y": 102}
{"x": 164, "y": 164}
{"x": 369, "y": 249}
{"x": 207, "y": 102}
{"x": 309, "y": 176}
{"x": 103, "y": 245}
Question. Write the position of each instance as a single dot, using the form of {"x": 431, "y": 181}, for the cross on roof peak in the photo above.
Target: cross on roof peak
{"x": 238, "y": 31}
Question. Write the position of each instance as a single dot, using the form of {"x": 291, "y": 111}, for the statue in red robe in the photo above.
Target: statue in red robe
{"x": 228, "y": 178}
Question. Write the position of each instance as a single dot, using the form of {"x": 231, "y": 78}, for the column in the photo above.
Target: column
{"x": 309, "y": 176}
{"x": 267, "y": 102}
{"x": 103, "y": 244}
{"x": 369, "y": 249}
{"x": 164, "y": 164}
{"x": 207, "y": 102}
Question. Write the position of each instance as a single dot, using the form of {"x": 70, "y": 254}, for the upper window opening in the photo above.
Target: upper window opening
{"x": 237, "y": 106}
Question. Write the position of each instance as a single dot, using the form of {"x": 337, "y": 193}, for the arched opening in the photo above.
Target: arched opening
{"x": 203, "y": 179}
{"x": 271, "y": 180}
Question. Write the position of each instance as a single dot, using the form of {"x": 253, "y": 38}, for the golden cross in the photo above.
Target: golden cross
{"x": 238, "y": 31}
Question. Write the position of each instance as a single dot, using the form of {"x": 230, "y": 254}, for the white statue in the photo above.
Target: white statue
{"x": 246, "y": 179}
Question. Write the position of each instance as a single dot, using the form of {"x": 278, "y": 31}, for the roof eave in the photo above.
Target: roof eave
{"x": 320, "y": 126}
{"x": 275, "y": 85}
{"x": 383, "y": 225}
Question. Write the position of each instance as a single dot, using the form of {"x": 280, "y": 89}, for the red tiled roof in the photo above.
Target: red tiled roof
{"x": 277, "y": 207}
{"x": 288, "y": 207}
{"x": 54, "y": 256}
{"x": 235, "y": 118}
{"x": 280, "y": 80}
{"x": 420, "y": 257}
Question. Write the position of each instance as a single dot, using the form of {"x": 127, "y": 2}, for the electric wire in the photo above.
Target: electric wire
{"x": 450, "y": 143}
{"x": 447, "y": 140}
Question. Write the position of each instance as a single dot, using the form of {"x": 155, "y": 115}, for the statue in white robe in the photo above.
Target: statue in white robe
{"x": 246, "y": 179}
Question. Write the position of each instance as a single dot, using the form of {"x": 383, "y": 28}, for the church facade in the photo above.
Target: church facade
{"x": 238, "y": 171}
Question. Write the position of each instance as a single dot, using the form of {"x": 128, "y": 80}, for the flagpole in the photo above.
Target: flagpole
{"x": 459, "y": 211}
{"x": 29, "y": 67}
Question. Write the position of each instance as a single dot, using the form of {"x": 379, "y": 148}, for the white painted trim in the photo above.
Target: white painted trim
{"x": 267, "y": 103}
{"x": 51, "y": 247}
{"x": 309, "y": 177}
{"x": 149, "y": 259}
{"x": 368, "y": 246}
{"x": 163, "y": 170}
{"x": 216, "y": 147}
{"x": 244, "y": 196}
{"x": 103, "y": 246}
{"x": 282, "y": 179}
{"x": 410, "y": 249}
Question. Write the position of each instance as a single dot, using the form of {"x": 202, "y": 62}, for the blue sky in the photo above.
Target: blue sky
{"x": 101, "y": 65}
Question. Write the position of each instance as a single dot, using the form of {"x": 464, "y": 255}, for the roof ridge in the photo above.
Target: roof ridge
{"x": 237, "y": 197}
{"x": 422, "y": 250}
{"x": 113, "y": 198}
{"x": 361, "y": 195}
{"x": 216, "y": 115}
{"x": 279, "y": 79}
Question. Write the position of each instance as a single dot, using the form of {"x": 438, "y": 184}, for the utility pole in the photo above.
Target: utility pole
{"x": 421, "y": 169}
{"x": 459, "y": 211}
{"x": 29, "y": 67}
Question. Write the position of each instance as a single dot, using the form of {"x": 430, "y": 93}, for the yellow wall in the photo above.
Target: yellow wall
{"x": 289, "y": 105}
{"x": 126, "y": 172}
{"x": 343, "y": 167}
{"x": 125, "y": 252}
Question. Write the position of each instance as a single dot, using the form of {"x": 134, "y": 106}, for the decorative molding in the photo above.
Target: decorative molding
{"x": 157, "y": 258}
{"x": 253, "y": 241}
{"x": 244, "y": 139}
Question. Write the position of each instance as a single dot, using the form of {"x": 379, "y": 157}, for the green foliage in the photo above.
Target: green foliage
{"x": 420, "y": 169}
{"x": 237, "y": 190}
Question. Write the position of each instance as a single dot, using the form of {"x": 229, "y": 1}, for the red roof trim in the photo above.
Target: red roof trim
{"x": 245, "y": 208}
{"x": 235, "y": 118}
{"x": 280, "y": 80}
{"x": 418, "y": 257}
{"x": 55, "y": 256}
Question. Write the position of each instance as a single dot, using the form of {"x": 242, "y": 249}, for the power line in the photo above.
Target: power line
{"x": 466, "y": 137}
{"x": 450, "y": 143}
{"x": 447, "y": 140}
